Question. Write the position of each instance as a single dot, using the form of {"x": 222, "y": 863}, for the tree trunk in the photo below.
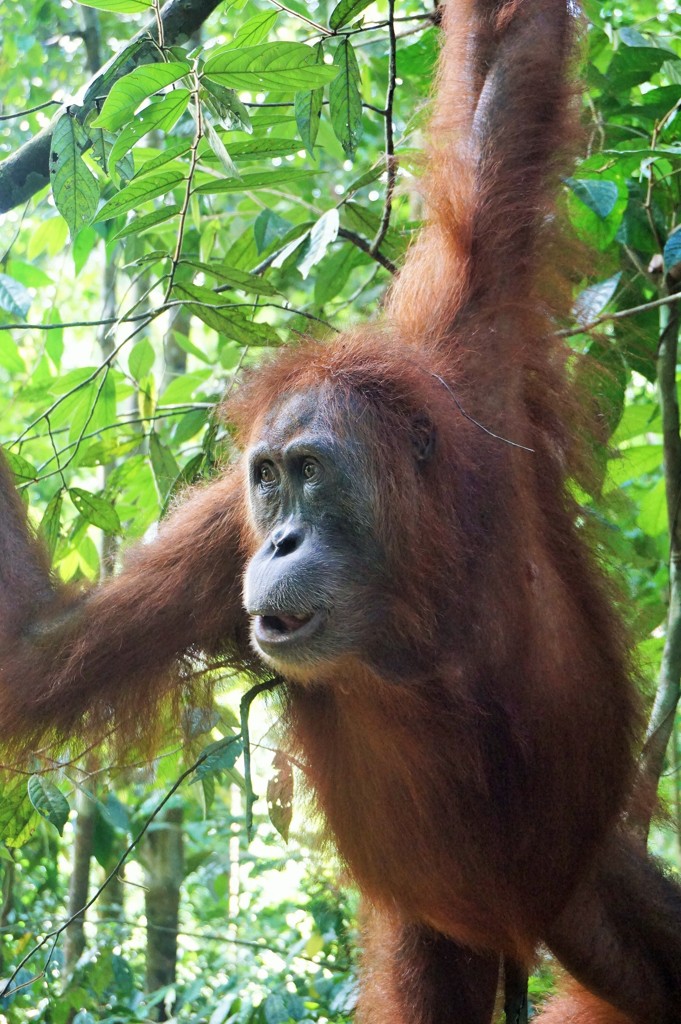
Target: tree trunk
{"x": 79, "y": 883}
{"x": 163, "y": 858}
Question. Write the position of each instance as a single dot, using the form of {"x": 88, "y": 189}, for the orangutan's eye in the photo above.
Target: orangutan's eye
{"x": 310, "y": 469}
{"x": 266, "y": 473}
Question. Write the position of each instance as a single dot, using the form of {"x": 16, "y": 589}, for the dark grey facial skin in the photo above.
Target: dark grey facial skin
{"x": 318, "y": 569}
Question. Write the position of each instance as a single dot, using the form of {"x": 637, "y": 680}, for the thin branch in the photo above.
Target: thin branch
{"x": 301, "y": 17}
{"x": 390, "y": 162}
{"x": 31, "y": 110}
{"x": 193, "y": 162}
{"x": 286, "y": 955}
{"x": 365, "y": 246}
{"x": 621, "y": 314}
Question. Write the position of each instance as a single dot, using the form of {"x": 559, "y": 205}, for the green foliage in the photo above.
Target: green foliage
{"x": 216, "y": 201}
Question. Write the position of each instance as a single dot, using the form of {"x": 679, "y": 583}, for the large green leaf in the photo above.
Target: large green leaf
{"x": 140, "y": 191}
{"x": 48, "y": 801}
{"x": 161, "y": 115}
{"x": 218, "y": 313}
{"x": 257, "y": 179}
{"x": 139, "y": 224}
{"x": 119, "y": 6}
{"x": 130, "y": 91}
{"x": 308, "y": 110}
{"x": 219, "y": 756}
{"x": 239, "y": 279}
{"x": 255, "y": 29}
{"x": 74, "y": 187}
{"x": 18, "y": 817}
{"x": 345, "y": 100}
{"x": 322, "y": 234}
{"x": 96, "y": 510}
{"x": 286, "y": 67}
{"x": 14, "y": 298}
{"x": 345, "y": 11}
{"x": 599, "y": 195}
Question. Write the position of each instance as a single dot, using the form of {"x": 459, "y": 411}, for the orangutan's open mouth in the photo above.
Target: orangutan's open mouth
{"x": 278, "y": 628}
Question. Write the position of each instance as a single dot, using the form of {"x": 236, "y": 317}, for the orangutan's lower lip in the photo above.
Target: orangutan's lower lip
{"x": 279, "y": 628}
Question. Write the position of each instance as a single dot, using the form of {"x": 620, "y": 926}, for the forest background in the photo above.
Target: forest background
{"x": 183, "y": 189}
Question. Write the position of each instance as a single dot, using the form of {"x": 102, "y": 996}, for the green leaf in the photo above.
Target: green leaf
{"x": 14, "y": 298}
{"x": 219, "y": 757}
{"x": 75, "y": 188}
{"x": 593, "y": 300}
{"x": 138, "y": 192}
{"x": 322, "y": 234}
{"x": 255, "y": 29}
{"x": 345, "y": 11}
{"x": 173, "y": 152}
{"x": 161, "y": 115}
{"x": 18, "y": 817}
{"x": 258, "y": 179}
{"x": 166, "y": 469}
{"x": 10, "y": 357}
{"x": 596, "y": 208}
{"x": 308, "y": 111}
{"x": 139, "y": 224}
{"x": 231, "y": 323}
{"x": 48, "y": 801}
{"x": 49, "y": 525}
{"x": 652, "y": 516}
{"x": 418, "y": 60}
{"x": 633, "y": 65}
{"x": 83, "y": 244}
{"x": 239, "y": 279}
{"x": 285, "y": 67}
{"x": 226, "y": 107}
{"x": 220, "y": 151}
{"x": 345, "y": 100}
{"x": 280, "y": 794}
{"x": 141, "y": 359}
{"x": 335, "y": 271}
{"x": 599, "y": 196}
{"x": 22, "y": 469}
{"x": 96, "y": 510}
{"x": 262, "y": 146}
{"x": 130, "y": 91}
{"x": 119, "y": 6}
{"x": 632, "y": 463}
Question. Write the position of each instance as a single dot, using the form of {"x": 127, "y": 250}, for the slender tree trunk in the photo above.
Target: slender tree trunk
{"x": 163, "y": 858}
{"x": 79, "y": 883}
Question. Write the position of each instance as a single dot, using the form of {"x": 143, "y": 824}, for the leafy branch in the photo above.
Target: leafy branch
{"x": 27, "y": 171}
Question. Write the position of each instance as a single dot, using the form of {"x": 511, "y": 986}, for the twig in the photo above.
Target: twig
{"x": 193, "y": 161}
{"x": 621, "y": 314}
{"x": 30, "y": 110}
{"x": 390, "y": 162}
{"x": 330, "y": 965}
{"x": 365, "y": 246}
{"x": 301, "y": 17}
